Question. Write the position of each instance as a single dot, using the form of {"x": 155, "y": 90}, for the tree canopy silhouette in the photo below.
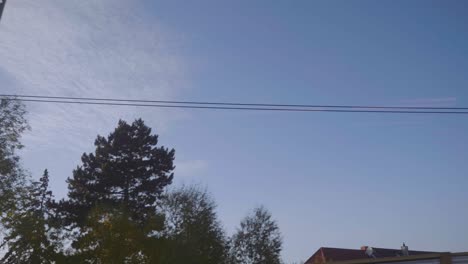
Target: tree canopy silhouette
{"x": 127, "y": 170}
{"x": 192, "y": 228}
{"x": 117, "y": 210}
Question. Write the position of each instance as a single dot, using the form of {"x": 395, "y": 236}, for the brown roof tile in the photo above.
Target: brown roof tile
{"x": 327, "y": 254}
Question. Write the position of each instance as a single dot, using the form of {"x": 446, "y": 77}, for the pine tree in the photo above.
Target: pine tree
{"x": 127, "y": 172}
{"x": 113, "y": 238}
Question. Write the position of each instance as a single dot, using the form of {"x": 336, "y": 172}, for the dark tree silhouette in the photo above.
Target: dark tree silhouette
{"x": 192, "y": 228}
{"x": 113, "y": 196}
{"x": 127, "y": 170}
{"x": 113, "y": 238}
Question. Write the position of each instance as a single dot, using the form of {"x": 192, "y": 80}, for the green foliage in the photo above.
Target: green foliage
{"x": 112, "y": 237}
{"x": 12, "y": 124}
{"x": 192, "y": 228}
{"x": 12, "y": 177}
{"x": 258, "y": 240}
{"x": 31, "y": 231}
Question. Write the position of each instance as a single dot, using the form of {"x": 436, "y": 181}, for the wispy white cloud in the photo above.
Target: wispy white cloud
{"x": 105, "y": 48}
{"x": 188, "y": 168}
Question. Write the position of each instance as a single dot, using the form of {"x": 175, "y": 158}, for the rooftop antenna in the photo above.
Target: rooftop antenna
{"x": 404, "y": 250}
{"x": 370, "y": 252}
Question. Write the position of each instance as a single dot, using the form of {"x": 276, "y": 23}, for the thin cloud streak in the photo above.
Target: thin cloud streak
{"x": 86, "y": 48}
{"x": 190, "y": 168}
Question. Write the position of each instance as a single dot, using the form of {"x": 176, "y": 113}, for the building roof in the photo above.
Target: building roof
{"x": 327, "y": 254}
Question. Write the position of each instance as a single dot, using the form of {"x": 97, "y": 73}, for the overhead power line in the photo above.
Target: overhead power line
{"x": 232, "y": 106}
{"x": 234, "y": 103}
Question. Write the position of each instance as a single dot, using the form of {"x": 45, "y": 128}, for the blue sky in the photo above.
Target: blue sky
{"x": 339, "y": 180}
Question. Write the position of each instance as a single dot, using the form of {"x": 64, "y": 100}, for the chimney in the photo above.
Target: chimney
{"x": 404, "y": 250}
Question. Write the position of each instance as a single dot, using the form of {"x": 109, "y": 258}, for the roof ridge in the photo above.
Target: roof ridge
{"x": 341, "y": 248}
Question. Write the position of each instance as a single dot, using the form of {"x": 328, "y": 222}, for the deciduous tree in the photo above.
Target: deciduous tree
{"x": 12, "y": 178}
{"x": 31, "y": 235}
{"x": 192, "y": 227}
{"x": 12, "y": 124}
{"x": 257, "y": 240}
